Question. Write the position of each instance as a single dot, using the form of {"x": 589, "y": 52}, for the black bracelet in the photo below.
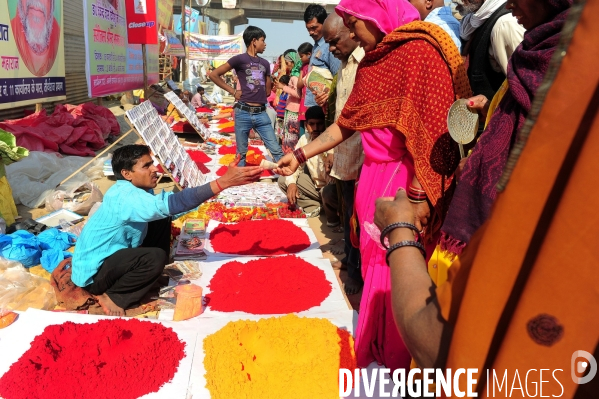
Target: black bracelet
{"x": 397, "y": 225}
{"x": 405, "y": 244}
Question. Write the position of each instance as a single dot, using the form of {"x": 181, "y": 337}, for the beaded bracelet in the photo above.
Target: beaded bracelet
{"x": 300, "y": 155}
{"x": 402, "y": 244}
{"x": 397, "y": 225}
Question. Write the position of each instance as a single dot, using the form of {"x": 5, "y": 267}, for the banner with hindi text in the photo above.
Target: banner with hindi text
{"x": 208, "y": 48}
{"x": 112, "y": 65}
{"x": 31, "y": 53}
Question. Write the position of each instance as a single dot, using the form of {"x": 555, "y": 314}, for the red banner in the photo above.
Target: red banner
{"x": 141, "y": 22}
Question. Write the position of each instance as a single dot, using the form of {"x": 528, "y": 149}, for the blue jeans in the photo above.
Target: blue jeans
{"x": 352, "y": 255}
{"x": 260, "y": 122}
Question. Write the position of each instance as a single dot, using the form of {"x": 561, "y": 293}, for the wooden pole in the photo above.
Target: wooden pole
{"x": 183, "y": 65}
{"x": 145, "y": 70}
{"x": 96, "y": 157}
{"x": 38, "y": 107}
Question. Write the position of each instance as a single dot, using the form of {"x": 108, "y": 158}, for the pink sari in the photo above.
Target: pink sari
{"x": 387, "y": 166}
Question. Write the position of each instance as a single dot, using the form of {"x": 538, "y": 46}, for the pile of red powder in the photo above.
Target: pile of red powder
{"x": 109, "y": 359}
{"x": 278, "y": 285}
{"x": 232, "y": 149}
{"x": 200, "y": 159}
{"x": 259, "y": 237}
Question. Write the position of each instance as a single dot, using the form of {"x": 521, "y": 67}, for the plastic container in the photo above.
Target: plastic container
{"x": 189, "y": 302}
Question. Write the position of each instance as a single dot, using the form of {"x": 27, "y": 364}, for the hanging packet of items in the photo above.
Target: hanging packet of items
{"x": 78, "y": 199}
{"x": 319, "y": 80}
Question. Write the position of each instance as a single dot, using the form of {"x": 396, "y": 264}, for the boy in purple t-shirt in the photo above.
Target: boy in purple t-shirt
{"x": 255, "y": 81}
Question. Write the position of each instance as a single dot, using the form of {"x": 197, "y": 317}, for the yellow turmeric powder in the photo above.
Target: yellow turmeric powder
{"x": 278, "y": 357}
{"x": 227, "y": 159}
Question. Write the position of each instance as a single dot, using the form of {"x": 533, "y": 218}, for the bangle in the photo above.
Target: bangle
{"x": 402, "y": 244}
{"x": 300, "y": 155}
{"x": 218, "y": 185}
{"x": 397, "y": 225}
{"x": 416, "y": 195}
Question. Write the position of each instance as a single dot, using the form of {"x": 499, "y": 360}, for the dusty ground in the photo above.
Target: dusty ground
{"x": 326, "y": 237}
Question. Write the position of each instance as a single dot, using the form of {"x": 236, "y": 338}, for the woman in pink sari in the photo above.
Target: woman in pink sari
{"x": 403, "y": 90}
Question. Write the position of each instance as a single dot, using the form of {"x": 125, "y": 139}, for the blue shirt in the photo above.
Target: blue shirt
{"x": 120, "y": 222}
{"x": 443, "y": 17}
{"x": 321, "y": 57}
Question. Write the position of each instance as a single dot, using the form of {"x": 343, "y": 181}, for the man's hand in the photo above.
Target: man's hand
{"x": 321, "y": 98}
{"x": 328, "y": 163}
{"x": 238, "y": 176}
{"x": 238, "y": 95}
{"x": 287, "y": 165}
{"x": 391, "y": 210}
{"x": 292, "y": 194}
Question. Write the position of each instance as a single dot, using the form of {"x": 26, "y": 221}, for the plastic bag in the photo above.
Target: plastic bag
{"x": 21, "y": 246}
{"x": 34, "y": 177}
{"x": 78, "y": 199}
{"x": 20, "y": 290}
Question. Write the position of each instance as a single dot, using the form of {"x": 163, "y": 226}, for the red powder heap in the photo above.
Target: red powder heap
{"x": 109, "y": 359}
{"x": 199, "y": 156}
{"x": 240, "y": 286}
{"x": 224, "y": 150}
{"x": 259, "y": 237}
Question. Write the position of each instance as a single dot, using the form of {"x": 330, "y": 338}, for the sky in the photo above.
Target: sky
{"x": 280, "y": 36}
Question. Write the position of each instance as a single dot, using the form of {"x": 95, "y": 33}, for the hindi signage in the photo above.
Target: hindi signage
{"x": 31, "y": 53}
{"x": 113, "y": 65}
{"x": 207, "y": 48}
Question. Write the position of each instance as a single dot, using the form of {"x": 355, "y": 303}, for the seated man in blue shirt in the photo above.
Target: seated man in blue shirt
{"x": 125, "y": 245}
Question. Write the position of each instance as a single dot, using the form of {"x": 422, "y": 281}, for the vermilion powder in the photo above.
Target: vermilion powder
{"x": 294, "y": 285}
{"x": 109, "y": 359}
{"x": 199, "y": 156}
{"x": 259, "y": 237}
{"x": 233, "y": 149}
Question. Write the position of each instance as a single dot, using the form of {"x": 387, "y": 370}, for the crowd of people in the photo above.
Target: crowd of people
{"x": 362, "y": 110}
{"x": 397, "y": 67}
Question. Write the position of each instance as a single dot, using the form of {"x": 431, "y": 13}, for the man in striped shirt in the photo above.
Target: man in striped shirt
{"x": 125, "y": 245}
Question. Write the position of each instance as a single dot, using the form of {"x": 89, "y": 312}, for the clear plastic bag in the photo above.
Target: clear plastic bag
{"x": 34, "y": 177}
{"x": 20, "y": 290}
{"x": 77, "y": 199}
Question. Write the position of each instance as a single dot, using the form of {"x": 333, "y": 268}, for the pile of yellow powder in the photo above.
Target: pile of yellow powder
{"x": 279, "y": 357}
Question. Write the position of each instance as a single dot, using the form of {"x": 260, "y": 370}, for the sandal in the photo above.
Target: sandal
{"x": 28, "y": 224}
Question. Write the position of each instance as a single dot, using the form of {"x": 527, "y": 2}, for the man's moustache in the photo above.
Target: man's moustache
{"x": 37, "y": 5}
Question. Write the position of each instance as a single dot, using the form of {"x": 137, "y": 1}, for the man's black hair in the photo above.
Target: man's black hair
{"x": 200, "y": 88}
{"x": 315, "y": 112}
{"x": 251, "y": 33}
{"x": 305, "y": 48}
{"x": 126, "y": 157}
{"x": 315, "y": 11}
{"x": 284, "y": 79}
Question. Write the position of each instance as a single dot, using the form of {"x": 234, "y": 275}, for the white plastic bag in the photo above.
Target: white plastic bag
{"x": 76, "y": 199}
{"x": 34, "y": 177}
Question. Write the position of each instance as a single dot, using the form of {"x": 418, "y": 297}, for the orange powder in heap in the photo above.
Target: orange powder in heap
{"x": 279, "y": 357}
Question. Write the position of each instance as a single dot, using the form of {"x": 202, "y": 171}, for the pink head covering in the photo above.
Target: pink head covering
{"x": 387, "y": 15}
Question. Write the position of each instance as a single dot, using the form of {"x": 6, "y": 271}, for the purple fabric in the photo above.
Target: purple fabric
{"x": 387, "y": 15}
{"x": 475, "y": 192}
{"x": 252, "y": 73}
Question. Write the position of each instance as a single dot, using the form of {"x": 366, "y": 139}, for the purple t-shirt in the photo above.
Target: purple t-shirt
{"x": 252, "y": 73}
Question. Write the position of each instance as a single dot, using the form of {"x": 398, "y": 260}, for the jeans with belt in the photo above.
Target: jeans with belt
{"x": 260, "y": 122}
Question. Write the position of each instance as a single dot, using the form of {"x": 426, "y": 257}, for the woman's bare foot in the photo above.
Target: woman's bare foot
{"x": 109, "y": 307}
